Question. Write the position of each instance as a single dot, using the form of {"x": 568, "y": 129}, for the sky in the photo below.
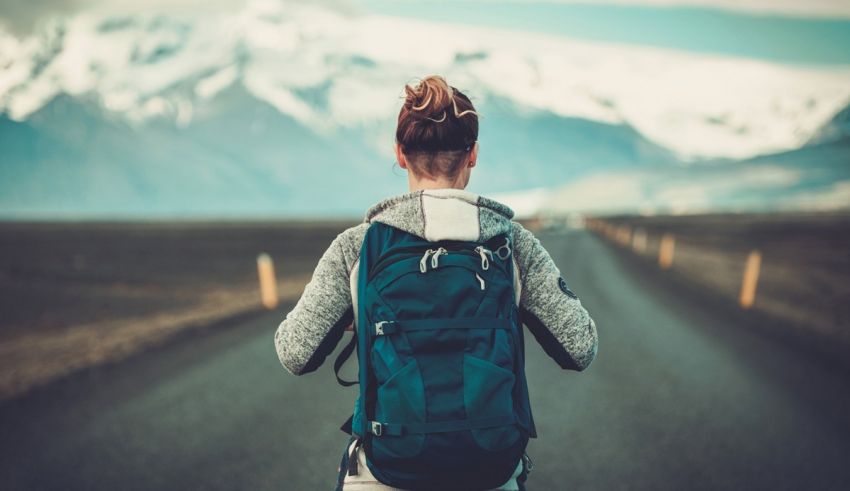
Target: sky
{"x": 799, "y": 32}
{"x": 786, "y": 31}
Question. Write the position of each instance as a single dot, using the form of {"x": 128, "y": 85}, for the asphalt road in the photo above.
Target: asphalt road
{"x": 684, "y": 394}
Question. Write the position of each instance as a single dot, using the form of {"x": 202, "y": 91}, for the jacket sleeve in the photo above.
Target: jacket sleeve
{"x": 550, "y": 310}
{"x": 311, "y": 331}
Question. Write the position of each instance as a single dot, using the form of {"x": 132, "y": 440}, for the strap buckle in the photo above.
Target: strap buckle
{"x": 529, "y": 464}
{"x": 504, "y": 250}
{"x": 379, "y": 328}
{"x": 377, "y": 428}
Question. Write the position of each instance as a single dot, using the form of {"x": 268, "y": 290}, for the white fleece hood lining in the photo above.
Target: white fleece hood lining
{"x": 449, "y": 218}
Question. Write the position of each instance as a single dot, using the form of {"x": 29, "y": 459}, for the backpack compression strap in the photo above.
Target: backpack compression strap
{"x": 342, "y": 357}
{"x": 338, "y": 363}
{"x": 383, "y": 328}
{"x": 396, "y": 429}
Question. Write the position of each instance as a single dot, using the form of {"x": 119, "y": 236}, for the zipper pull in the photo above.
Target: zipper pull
{"x": 435, "y": 258}
{"x": 423, "y": 263}
{"x": 484, "y": 252}
{"x": 480, "y": 280}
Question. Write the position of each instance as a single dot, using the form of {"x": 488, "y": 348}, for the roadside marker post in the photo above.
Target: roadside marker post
{"x": 639, "y": 241}
{"x": 666, "y": 251}
{"x": 624, "y": 235}
{"x": 268, "y": 282}
{"x": 750, "y": 280}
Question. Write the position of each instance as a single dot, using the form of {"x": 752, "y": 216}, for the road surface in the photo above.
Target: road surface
{"x": 683, "y": 395}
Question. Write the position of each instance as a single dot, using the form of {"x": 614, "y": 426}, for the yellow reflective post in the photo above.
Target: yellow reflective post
{"x": 666, "y": 250}
{"x": 268, "y": 282}
{"x": 750, "y": 280}
{"x": 639, "y": 241}
{"x": 624, "y": 235}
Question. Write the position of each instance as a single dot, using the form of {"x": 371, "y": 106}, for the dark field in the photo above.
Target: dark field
{"x": 57, "y": 275}
{"x": 77, "y": 294}
{"x": 805, "y": 267}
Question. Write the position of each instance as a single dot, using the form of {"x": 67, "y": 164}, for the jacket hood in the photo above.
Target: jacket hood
{"x": 443, "y": 214}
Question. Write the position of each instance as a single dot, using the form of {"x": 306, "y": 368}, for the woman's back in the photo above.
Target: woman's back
{"x": 439, "y": 148}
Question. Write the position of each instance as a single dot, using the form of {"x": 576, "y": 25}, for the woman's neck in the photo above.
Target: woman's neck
{"x": 425, "y": 183}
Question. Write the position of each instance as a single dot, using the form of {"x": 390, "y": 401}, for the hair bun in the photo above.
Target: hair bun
{"x": 431, "y": 98}
{"x": 432, "y": 118}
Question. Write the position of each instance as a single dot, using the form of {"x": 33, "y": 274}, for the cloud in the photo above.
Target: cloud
{"x": 683, "y": 190}
{"x": 329, "y": 70}
{"x": 22, "y": 17}
{"x": 791, "y": 8}
{"x": 836, "y": 196}
{"x": 808, "y": 8}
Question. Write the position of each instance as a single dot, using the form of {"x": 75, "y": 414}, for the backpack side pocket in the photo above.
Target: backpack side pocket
{"x": 488, "y": 392}
{"x": 400, "y": 400}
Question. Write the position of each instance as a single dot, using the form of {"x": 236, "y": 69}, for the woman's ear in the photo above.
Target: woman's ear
{"x": 473, "y": 155}
{"x": 399, "y": 156}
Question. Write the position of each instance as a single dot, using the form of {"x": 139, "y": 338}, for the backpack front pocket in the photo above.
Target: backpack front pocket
{"x": 487, "y": 392}
{"x": 400, "y": 400}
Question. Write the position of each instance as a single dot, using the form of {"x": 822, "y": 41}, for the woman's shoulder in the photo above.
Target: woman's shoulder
{"x": 353, "y": 233}
{"x": 522, "y": 237}
{"x": 348, "y": 243}
{"x": 527, "y": 248}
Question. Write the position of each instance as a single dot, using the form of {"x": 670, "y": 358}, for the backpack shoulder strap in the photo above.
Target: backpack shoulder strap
{"x": 372, "y": 240}
{"x": 346, "y": 352}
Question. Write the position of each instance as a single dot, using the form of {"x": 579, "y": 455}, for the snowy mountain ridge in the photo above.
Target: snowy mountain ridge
{"x": 334, "y": 70}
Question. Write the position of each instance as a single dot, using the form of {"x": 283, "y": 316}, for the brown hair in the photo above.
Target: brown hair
{"x": 437, "y": 126}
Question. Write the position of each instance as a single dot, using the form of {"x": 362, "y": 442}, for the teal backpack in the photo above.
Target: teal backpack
{"x": 443, "y": 398}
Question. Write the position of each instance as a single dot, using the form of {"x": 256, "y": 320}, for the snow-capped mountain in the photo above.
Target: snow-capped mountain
{"x": 67, "y": 158}
{"x": 837, "y": 128}
{"x": 815, "y": 177}
{"x": 812, "y": 178}
{"x": 328, "y": 69}
{"x": 253, "y": 110}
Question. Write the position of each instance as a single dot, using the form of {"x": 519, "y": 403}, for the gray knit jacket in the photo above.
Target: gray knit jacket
{"x": 550, "y": 310}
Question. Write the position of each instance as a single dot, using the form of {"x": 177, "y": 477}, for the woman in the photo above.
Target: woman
{"x": 436, "y": 143}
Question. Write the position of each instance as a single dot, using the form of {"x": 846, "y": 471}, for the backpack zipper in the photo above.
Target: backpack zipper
{"x": 423, "y": 263}
{"x": 435, "y": 259}
{"x": 402, "y": 254}
{"x": 483, "y": 252}
{"x": 480, "y": 280}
